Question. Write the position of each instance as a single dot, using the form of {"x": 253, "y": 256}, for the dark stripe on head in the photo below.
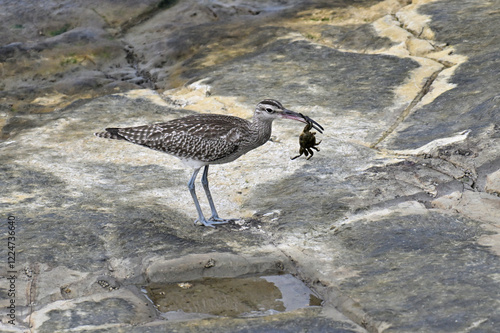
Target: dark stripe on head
{"x": 272, "y": 102}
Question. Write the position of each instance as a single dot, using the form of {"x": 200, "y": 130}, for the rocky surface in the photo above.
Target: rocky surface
{"x": 394, "y": 223}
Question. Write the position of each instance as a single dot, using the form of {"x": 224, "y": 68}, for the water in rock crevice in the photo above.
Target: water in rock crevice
{"x": 231, "y": 297}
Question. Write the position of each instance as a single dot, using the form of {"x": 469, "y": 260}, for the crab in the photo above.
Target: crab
{"x": 307, "y": 142}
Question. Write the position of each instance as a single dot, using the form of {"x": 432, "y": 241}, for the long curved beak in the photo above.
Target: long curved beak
{"x": 289, "y": 114}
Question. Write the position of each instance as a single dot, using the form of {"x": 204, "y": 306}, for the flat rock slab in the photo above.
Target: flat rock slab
{"x": 394, "y": 222}
{"x": 410, "y": 264}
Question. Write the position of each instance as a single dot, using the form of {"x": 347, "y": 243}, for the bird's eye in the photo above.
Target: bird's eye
{"x": 269, "y": 110}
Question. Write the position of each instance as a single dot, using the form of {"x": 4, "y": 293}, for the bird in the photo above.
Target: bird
{"x": 201, "y": 140}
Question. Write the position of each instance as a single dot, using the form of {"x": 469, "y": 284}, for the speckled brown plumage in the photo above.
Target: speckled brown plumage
{"x": 209, "y": 138}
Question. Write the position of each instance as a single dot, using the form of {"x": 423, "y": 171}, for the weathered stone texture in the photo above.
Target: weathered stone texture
{"x": 394, "y": 222}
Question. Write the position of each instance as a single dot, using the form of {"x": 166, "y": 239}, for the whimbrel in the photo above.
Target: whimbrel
{"x": 205, "y": 139}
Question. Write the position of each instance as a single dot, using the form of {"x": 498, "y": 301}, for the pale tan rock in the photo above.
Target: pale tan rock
{"x": 478, "y": 206}
{"x": 138, "y": 310}
{"x": 493, "y": 183}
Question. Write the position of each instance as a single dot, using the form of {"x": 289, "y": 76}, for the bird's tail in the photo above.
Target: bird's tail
{"x": 111, "y": 133}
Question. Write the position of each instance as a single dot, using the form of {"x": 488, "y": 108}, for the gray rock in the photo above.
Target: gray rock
{"x": 394, "y": 222}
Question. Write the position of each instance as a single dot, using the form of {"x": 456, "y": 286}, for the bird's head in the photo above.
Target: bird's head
{"x": 270, "y": 109}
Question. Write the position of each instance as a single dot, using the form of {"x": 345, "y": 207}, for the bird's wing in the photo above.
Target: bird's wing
{"x": 208, "y": 126}
{"x": 204, "y": 137}
{"x": 141, "y": 135}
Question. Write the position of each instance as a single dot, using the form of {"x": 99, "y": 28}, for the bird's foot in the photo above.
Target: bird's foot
{"x": 216, "y": 219}
{"x": 213, "y": 221}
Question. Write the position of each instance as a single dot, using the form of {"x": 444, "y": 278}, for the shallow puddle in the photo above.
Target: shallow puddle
{"x": 231, "y": 297}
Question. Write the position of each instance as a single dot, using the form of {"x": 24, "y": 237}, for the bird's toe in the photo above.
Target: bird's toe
{"x": 218, "y": 220}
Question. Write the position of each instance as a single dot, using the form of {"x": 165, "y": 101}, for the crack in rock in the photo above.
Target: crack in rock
{"x": 415, "y": 40}
{"x": 144, "y": 77}
{"x": 404, "y": 114}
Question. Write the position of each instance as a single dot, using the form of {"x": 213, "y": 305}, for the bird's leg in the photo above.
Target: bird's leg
{"x": 214, "y": 219}
{"x": 192, "y": 190}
